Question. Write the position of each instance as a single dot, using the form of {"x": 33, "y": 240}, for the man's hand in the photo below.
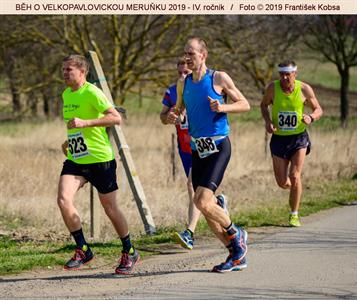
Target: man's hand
{"x": 270, "y": 128}
{"x": 76, "y": 123}
{"x": 65, "y": 148}
{"x": 215, "y": 105}
{"x": 307, "y": 119}
{"x": 172, "y": 116}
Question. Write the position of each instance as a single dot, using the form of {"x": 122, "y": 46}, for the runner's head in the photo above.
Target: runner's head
{"x": 182, "y": 68}
{"x": 287, "y": 72}
{"x": 74, "y": 69}
{"x": 196, "y": 52}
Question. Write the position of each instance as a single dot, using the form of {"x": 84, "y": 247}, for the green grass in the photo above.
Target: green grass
{"x": 324, "y": 74}
{"x": 148, "y": 105}
{"x": 320, "y": 196}
{"x": 331, "y": 123}
{"x": 20, "y": 128}
{"x": 18, "y": 256}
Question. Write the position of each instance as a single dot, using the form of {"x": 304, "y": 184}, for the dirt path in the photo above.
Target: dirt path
{"x": 316, "y": 261}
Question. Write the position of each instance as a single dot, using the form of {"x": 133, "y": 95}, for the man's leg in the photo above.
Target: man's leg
{"x": 115, "y": 215}
{"x": 193, "y": 211}
{"x": 67, "y": 187}
{"x": 234, "y": 238}
{"x": 204, "y": 200}
{"x": 297, "y": 162}
{"x": 130, "y": 255}
{"x": 280, "y": 166}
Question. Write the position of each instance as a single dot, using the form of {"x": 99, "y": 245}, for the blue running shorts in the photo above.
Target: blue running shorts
{"x": 286, "y": 146}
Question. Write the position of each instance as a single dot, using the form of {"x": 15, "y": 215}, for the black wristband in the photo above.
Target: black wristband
{"x": 312, "y": 119}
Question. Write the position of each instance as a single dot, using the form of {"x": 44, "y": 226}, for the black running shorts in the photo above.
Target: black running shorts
{"x": 101, "y": 175}
{"x": 285, "y": 146}
{"x": 208, "y": 172}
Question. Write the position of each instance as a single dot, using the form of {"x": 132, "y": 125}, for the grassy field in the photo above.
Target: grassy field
{"x": 324, "y": 74}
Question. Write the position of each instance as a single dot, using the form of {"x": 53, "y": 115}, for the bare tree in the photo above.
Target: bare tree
{"x": 255, "y": 44}
{"x": 335, "y": 37}
{"x": 131, "y": 48}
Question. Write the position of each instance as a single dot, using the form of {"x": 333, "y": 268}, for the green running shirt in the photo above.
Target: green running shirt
{"x": 91, "y": 144}
{"x": 288, "y": 110}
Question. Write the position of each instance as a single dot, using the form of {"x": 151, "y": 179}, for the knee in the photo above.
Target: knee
{"x": 201, "y": 204}
{"x": 295, "y": 177}
{"x": 284, "y": 184}
{"x": 63, "y": 202}
{"x": 109, "y": 207}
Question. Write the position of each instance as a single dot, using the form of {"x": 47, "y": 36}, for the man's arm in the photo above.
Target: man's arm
{"x": 64, "y": 147}
{"x": 240, "y": 103}
{"x": 312, "y": 102}
{"x": 163, "y": 115}
{"x": 111, "y": 117}
{"x": 264, "y": 107}
{"x": 180, "y": 105}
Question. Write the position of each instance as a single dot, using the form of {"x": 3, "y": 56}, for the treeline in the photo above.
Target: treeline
{"x": 138, "y": 53}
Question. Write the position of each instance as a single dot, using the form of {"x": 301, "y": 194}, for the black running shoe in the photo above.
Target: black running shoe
{"x": 79, "y": 258}
{"x": 127, "y": 263}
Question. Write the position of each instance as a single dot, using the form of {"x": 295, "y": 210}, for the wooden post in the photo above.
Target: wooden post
{"x": 123, "y": 149}
{"x": 266, "y": 143}
{"x": 94, "y": 215}
{"x": 173, "y": 160}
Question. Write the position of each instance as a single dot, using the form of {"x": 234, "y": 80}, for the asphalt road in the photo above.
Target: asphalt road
{"x": 315, "y": 261}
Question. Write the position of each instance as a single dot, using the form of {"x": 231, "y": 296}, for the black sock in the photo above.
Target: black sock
{"x": 231, "y": 229}
{"x": 126, "y": 243}
{"x": 79, "y": 238}
{"x": 190, "y": 232}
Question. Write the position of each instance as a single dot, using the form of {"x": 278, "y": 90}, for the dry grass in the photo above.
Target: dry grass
{"x": 32, "y": 160}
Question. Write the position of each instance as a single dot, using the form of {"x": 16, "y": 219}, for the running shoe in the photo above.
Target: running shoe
{"x": 80, "y": 257}
{"x": 239, "y": 245}
{"x": 230, "y": 265}
{"x": 222, "y": 202}
{"x": 184, "y": 238}
{"x": 127, "y": 262}
{"x": 294, "y": 221}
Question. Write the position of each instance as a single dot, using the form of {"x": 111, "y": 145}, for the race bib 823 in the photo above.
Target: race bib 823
{"x": 77, "y": 146}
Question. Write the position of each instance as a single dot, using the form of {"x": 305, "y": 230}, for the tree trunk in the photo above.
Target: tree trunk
{"x": 345, "y": 77}
{"x": 46, "y": 105}
{"x": 32, "y": 103}
{"x": 16, "y": 103}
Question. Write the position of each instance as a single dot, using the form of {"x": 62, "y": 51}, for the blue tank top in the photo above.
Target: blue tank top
{"x": 202, "y": 121}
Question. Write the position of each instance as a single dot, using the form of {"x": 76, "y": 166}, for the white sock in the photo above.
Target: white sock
{"x": 294, "y": 213}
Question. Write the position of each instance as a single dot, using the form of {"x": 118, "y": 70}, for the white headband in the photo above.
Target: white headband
{"x": 287, "y": 69}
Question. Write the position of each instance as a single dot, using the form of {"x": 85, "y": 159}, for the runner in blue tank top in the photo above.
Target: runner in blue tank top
{"x": 204, "y": 94}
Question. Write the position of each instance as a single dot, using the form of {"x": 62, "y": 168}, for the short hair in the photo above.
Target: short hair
{"x": 201, "y": 42}
{"x": 181, "y": 61}
{"x": 79, "y": 61}
{"x": 286, "y": 63}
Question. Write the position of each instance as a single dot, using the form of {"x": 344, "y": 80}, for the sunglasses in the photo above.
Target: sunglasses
{"x": 183, "y": 73}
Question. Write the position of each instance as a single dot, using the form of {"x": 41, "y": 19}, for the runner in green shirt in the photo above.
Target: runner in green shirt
{"x": 90, "y": 158}
{"x": 290, "y": 141}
